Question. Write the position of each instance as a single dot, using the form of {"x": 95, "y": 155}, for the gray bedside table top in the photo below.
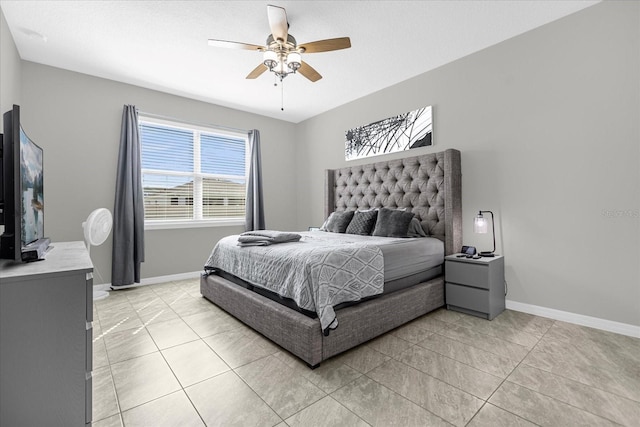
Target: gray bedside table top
{"x": 481, "y": 260}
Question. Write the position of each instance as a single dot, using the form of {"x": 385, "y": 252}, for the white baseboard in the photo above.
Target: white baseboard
{"x": 153, "y": 280}
{"x": 578, "y": 319}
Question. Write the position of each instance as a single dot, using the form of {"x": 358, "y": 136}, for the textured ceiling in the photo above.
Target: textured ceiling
{"x": 162, "y": 45}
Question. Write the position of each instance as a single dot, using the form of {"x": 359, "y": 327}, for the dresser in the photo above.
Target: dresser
{"x": 475, "y": 286}
{"x": 46, "y": 310}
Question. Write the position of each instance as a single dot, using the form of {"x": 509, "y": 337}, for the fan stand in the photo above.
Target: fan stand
{"x": 102, "y": 217}
{"x": 97, "y": 294}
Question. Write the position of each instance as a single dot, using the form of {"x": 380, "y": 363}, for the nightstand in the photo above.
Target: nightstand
{"x": 475, "y": 286}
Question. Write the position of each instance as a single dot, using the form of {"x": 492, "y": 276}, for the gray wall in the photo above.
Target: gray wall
{"x": 76, "y": 119}
{"x": 547, "y": 123}
{"x": 10, "y": 66}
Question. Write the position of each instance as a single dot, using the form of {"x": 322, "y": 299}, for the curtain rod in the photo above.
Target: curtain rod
{"x": 158, "y": 116}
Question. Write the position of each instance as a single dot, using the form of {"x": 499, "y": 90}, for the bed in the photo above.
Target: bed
{"x": 429, "y": 186}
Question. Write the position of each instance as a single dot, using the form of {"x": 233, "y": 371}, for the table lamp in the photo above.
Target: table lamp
{"x": 480, "y": 226}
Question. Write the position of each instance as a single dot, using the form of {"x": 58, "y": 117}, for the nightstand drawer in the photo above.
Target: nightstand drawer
{"x": 464, "y": 296}
{"x": 466, "y": 273}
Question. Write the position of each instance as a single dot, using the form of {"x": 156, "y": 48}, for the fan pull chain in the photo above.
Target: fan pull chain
{"x": 281, "y": 95}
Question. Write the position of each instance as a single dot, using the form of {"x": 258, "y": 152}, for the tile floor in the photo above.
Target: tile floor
{"x": 165, "y": 356}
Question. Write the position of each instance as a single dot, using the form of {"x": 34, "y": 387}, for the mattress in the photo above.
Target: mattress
{"x": 402, "y": 257}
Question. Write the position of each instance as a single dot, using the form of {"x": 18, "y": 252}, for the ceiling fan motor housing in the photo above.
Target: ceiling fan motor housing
{"x": 291, "y": 43}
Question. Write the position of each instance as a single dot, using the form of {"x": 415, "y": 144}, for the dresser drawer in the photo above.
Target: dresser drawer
{"x": 466, "y": 273}
{"x": 88, "y": 395}
{"x": 464, "y": 296}
{"x": 89, "y": 297}
{"x": 89, "y": 344}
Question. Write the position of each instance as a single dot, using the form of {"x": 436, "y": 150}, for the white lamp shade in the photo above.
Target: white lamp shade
{"x": 270, "y": 58}
{"x": 480, "y": 225}
{"x": 294, "y": 59}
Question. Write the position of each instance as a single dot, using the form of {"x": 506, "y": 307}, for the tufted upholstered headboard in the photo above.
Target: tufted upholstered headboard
{"x": 430, "y": 186}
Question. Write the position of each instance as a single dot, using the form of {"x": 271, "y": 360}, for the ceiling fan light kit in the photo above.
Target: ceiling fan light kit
{"x": 282, "y": 55}
{"x": 282, "y": 58}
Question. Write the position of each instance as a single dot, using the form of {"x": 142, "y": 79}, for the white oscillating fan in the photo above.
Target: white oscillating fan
{"x": 96, "y": 230}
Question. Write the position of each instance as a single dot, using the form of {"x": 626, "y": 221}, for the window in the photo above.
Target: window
{"x": 192, "y": 175}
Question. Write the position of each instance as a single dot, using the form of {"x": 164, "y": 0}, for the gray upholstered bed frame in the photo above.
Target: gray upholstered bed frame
{"x": 427, "y": 185}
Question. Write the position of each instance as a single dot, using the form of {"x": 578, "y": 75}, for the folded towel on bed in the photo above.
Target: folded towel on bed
{"x": 266, "y": 237}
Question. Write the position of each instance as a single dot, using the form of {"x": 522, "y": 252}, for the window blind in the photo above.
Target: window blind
{"x": 192, "y": 174}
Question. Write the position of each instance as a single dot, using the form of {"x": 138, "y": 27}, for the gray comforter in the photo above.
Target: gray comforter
{"x": 316, "y": 273}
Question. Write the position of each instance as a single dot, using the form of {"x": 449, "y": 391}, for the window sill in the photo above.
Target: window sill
{"x": 166, "y": 225}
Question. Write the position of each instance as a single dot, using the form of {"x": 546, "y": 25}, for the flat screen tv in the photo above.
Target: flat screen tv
{"x": 22, "y": 190}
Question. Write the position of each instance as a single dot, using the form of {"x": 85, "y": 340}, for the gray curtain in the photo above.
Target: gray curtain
{"x": 128, "y": 211}
{"x": 255, "y": 205}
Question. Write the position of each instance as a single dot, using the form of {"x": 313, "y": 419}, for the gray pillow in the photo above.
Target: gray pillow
{"x": 362, "y": 222}
{"x": 415, "y": 229}
{"x": 338, "y": 221}
{"x": 392, "y": 223}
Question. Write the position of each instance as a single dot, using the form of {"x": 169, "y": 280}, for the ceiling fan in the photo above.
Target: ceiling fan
{"x": 282, "y": 55}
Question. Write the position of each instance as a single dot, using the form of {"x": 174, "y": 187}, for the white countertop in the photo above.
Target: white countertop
{"x": 61, "y": 257}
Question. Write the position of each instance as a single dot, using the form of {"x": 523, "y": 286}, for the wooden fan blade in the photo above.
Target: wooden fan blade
{"x": 278, "y": 22}
{"x": 309, "y": 72}
{"x": 326, "y": 45}
{"x": 257, "y": 71}
{"x": 235, "y": 45}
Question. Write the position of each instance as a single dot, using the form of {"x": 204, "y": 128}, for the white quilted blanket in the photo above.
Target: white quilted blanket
{"x": 316, "y": 273}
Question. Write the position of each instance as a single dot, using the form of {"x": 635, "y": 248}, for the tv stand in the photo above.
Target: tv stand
{"x": 46, "y": 310}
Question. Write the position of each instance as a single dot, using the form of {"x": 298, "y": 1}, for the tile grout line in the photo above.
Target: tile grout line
{"x": 400, "y": 395}
{"x": 486, "y": 335}
{"x": 183, "y": 388}
{"x": 565, "y": 378}
{"x": 115, "y": 391}
{"x": 499, "y": 325}
{"x": 254, "y": 391}
{"x": 412, "y": 367}
{"x": 582, "y": 383}
{"x": 536, "y": 391}
{"x": 445, "y": 356}
{"x": 484, "y": 401}
{"x": 233, "y": 370}
{"x": 120, "y": 412}
{"x": 459, "y": 361}
{"x": 500, "y": 385}
{"x": 476, "y": 331}
{"x": 329, "y": 394}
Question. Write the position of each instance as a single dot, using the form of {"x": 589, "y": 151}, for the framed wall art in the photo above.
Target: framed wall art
{"x": 398, "y": 133}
